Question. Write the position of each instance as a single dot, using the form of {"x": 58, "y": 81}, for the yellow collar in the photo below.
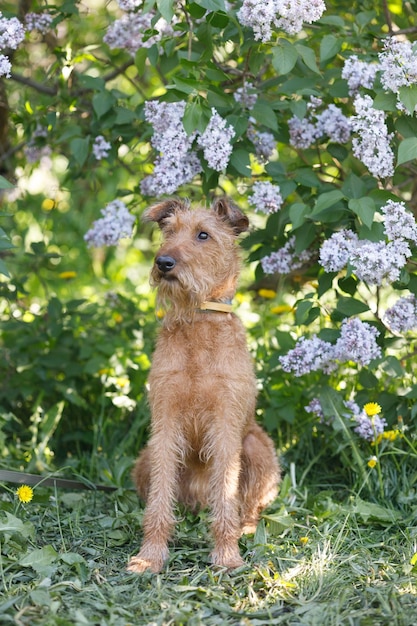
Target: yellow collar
{"x": 223, "y": 307}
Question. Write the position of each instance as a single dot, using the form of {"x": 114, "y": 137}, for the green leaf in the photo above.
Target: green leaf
{"x": 213, "y": 5}
{"x": 79, "y": 149}
{"x": 40, "y": 559}
{"x": 240, "y": 161}
{"x": 370, "y": 510}
{"x": 326, "y": 200}
{"x": 364, "y": 208}
{"x": 385, "y": 101}
{"x": 329, "y": 47}
{"x": 284, "y": 57}
{"x": 195, "y": 118}
{"x": 298, "y": 213}
{"x": 4, "y": 183}
{"x": 13, "y": 525}
{"x": 102, "y": 103}
{"x": 407, "y": 150}
{"x": 166, "y": 9}
{"x": 265, "y": 114}
{"x": 309, "y": 57}
{"x": 351, "y": 306}
{"x": 408, "y": 96}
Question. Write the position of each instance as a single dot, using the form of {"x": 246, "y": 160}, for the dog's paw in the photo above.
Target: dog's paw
{"x": 144, "y": 561}
{"x": 229, "y": 558}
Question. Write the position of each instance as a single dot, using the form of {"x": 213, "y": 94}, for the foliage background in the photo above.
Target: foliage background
{"x": 77, "y": 324}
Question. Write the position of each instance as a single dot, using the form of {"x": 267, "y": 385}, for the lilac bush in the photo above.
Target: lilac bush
{"x": 303, "y": 112}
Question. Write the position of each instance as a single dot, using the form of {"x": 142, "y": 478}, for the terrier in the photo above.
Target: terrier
{"x": 205, "y": 447}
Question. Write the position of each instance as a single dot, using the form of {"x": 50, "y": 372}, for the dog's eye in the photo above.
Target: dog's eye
{"x": 202, "y": 236}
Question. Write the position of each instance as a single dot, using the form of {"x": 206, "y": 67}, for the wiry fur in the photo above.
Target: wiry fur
{"x": 205, "y": 448}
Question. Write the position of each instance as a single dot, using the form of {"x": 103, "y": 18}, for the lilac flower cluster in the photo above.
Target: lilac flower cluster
{"x": 309, "y": 355}
{"x": 263, "y": 142}
{"x": 101, "y": 148}
{"x": 215, "y": 142}
{"x": 402, "y": 316}
{"x": 177, "y": 164}
{"x": 374, "y": 262}
{"x": 366, "y": 427}
{"x": 115, "y": 224}
{"x": 12, "y": 34}
{"x": 285, "y": 260}
{"x": 129, "y": 32}
{"x": 38, "y": 21}
{"x": 265, "y": 15}
{"x": 398, "y": 64}
{"x": 357, "y": 343}
{"x": 315, "y": 407}
{"x": 398, "y": 222}
{"x": 246, "y": 96}
{"x": 37, "y": 148}
{"x": 335, "y": 251}
{"x": 359, "y": 74}
{"x": 330, "y": 123}
{"x": 266, "y": 197}
{"x": 372, "y": 146}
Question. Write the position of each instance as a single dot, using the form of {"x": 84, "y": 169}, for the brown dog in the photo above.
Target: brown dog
{"x": 205, "y": 447}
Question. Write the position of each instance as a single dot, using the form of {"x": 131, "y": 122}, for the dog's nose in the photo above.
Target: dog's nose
{"x": 165, "y": 263}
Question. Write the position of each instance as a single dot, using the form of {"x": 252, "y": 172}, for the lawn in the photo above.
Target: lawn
{"x": 316, "y": 559}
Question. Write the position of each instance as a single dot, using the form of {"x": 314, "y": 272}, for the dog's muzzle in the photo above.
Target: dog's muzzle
{"x": 165, "y": 263}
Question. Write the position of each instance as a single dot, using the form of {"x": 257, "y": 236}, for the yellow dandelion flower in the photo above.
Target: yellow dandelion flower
{"x": 372, "y": 462}
{"x": 48, "y": 204}
{"x": 281, "y": 308}
{"x": 303, "y": 540}
{"x": 268, "y": 294}
{"x": 391, "y": 435}
{"x": 67, "y": 275}
{"x": 372, "y": 408}
{"x": 24, "y": 493}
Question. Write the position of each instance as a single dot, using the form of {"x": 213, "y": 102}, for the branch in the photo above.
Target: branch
{"x": 49, "y": 91}
{"x": 388, "y": 17}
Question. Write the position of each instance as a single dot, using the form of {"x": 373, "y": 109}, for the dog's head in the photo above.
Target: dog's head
{"x": 198, "y": 259}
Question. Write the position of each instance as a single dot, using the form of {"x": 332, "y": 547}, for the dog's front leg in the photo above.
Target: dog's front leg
{"x": 224, "y": 479}
{"x": 159, "y": 517}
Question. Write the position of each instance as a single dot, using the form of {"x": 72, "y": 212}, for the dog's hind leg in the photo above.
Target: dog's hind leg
{"x": 259, "y": 477}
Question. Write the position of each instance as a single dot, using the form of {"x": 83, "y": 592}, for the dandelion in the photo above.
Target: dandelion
{"x": 303, "y": 540}
{"x": 372, "y": 462}
{"x": 372, "y": 408}
{"x": 268, "y": 294}
{"x": 24, "y": 494}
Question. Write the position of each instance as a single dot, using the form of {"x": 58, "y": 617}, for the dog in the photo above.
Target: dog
{"x": 205, "y": 448}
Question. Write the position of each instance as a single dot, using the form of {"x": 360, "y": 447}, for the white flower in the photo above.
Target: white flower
{"x": 129, "y": 5}
{"x": 265, "y": 15}
{"x": 402, "y": 316}
{"x": 215, "y": 142}
{"x": 285, "y": 260}
{"x": 246, "y": 96}
{"x": 398, "y": 64}
{"x": 12, "y": 32}
{"x": 372, "y": 146}
{"x": 115, "y": 224}
{"x": 266, "y": 197}
{"x": 309, "y": 355}
{"x": 359, "y": 74}
{"x": 38, "y": 21}
{"x": 379, "y": 262}
{"x": 302, "y": 132}
{"x": 129, "y": 32}
{"x": 101, "y": 148}
{"x": 5, "y": 66}
{"x": 357, "y": 342}
{"x": 335, "y": 251}
{"x": 334, "y": 124}
{"x": 369, "y": 427}
{"x": 398, "y": 222}
{"x": 264, "y": 143}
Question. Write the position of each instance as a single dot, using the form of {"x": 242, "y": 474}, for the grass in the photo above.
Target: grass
{"x": 313, "y": 561}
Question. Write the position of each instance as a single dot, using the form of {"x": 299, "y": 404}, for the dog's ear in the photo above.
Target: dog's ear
{"x": 231, "y": 214}
{"x": 159, "y": 212}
